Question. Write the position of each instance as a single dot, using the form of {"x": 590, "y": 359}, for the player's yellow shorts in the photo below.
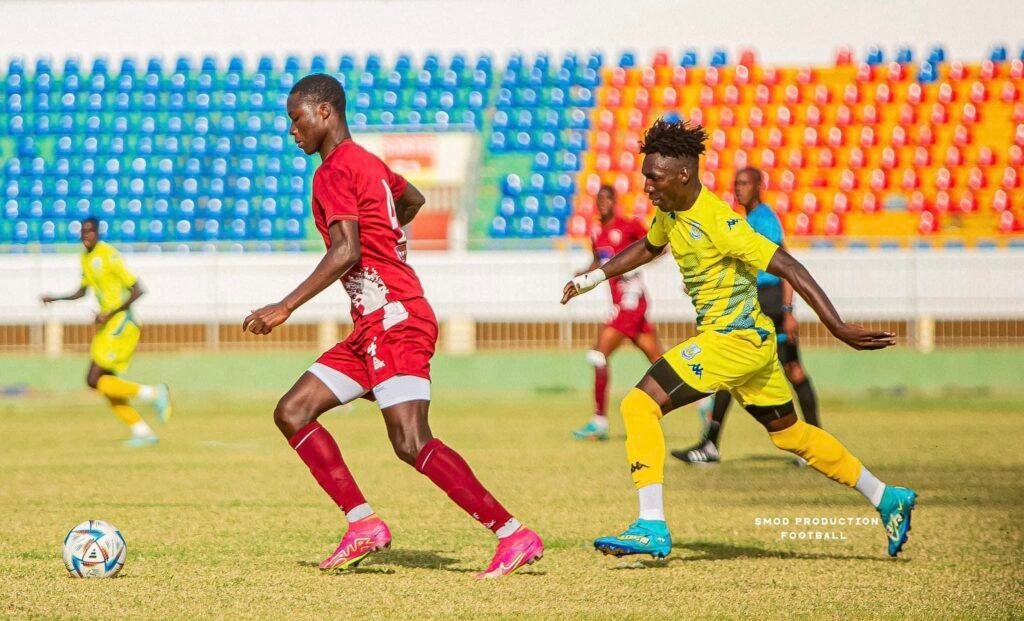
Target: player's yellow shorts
{"x": 114, "y": 344}
{"x": 741, "y": 362}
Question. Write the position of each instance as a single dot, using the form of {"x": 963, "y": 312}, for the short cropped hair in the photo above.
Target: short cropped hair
{"x": 321, "y": 88}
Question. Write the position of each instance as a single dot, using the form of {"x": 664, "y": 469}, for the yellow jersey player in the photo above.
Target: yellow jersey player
{"x": 719, "y": 255}
{"x": 116, "y": 289}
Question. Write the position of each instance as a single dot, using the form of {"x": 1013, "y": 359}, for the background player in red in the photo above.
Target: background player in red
{"x": 360, "y": 206}
{"x": 629, "y": 307}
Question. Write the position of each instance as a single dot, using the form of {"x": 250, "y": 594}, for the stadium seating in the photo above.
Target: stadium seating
{"x": 190, "y": 152}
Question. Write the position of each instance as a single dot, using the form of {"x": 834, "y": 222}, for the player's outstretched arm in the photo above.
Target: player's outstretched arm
{"x": 409, "y": 204}
{"x": 340, "y": 257}
{"x": 785, "y": 266}
{"x": 47, "y": 299}
{"x": 636, "y": 254}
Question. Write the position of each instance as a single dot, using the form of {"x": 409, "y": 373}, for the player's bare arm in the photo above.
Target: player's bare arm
{"x": 409, "y": 204}
{"x": 48, "y": 299}
{"x": 638, "y": 253}
{"x": 790, "y": 325}
{"x": 134, "y": 293}
{"x": 789, "y": 269}
{"x": 340, "y": 257}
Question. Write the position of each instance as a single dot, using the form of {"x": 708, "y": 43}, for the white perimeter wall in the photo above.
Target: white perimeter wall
{"x": 517, "y": 286}
{"x": 784, "y": 31}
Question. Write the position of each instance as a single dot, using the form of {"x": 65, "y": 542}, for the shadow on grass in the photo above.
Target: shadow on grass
{"x": 413, "y": 559}
{"x": 711, "y": 551}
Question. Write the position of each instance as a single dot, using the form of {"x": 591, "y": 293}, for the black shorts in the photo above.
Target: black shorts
{"x": 770, "y": 298}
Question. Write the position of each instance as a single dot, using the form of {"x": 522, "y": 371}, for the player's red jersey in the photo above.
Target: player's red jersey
{"x": 611, "y": 239}
{"x": 354, "y": 184}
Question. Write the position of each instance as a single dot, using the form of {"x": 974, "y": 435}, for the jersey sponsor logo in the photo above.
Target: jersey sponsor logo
{"x": 690, "y": 352}
{"x": 378, "y": 364}
{"x": 695, "y": 232}
{"x": 615, "y": 236}
{"x": 697, "y": 369}
{"x": 731, "y": 222}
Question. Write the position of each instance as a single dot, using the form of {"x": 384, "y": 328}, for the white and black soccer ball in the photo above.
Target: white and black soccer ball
{"x": 94, "y": 549}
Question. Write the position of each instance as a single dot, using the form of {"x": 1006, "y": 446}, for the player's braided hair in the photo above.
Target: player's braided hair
{"x": 674, "y": 139}
{"x": 321, "y": 88}
{"x": 93, "y": 220}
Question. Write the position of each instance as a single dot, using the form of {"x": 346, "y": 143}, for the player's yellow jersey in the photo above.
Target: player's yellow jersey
{"x": 104, "y": 271}
{"x": 719, "y": 255}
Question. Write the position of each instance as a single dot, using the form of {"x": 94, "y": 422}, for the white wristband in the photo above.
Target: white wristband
{"x": 586, "y": 282}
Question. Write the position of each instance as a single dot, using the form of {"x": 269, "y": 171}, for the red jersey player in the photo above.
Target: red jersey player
{"x": 360, "y": 206}
{"x": 629, "y": 307}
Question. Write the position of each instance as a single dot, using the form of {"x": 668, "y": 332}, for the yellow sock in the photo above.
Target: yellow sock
{"x": 821, "y": 450}
{"x": 128, "y": 415}
{"x": 116, "y": 388}
{"x": 645, "y": 442}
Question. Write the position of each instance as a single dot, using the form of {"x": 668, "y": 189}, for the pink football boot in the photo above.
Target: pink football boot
{"x": 363, "y": 538}
{"x": 522, "y": 547}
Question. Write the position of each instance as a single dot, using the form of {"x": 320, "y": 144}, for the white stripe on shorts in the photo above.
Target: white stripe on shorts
{"x": 401, "y": 388}
{"x": 344, "y": 387}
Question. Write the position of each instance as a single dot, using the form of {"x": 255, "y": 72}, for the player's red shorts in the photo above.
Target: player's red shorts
{"x": 398, "y": 339}
{"x": 630, "y": 318}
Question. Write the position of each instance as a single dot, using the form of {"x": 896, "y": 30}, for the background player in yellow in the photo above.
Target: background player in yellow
{"x": 719, "y": 255}
{"x": 117, "y": 334}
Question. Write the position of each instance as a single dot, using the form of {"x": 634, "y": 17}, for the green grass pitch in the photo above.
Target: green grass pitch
{"x": 223, "y": 521}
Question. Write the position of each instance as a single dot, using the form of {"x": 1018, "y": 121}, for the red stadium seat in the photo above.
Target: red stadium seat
{"x": 627, "y": 162}
{"x": 986, "y": 157}
{"x": 770, "y": 76}
{"x": 843, "y": 56}
{"x": 946, "y": 94}
{"x": 925, "y": 136}
{"x": 857, "y": 158}
{"x": 621, "y": 184}
{"x": 869, "y": 115}
{"x": 648, "y": 77}
{"x": 888, "y": 160}
{"x": 909, "y": 180}
{"x": 696, "y": 116}
{"x": 756, "y": 118}
{"x": 922, "y": 157}
{"x": 795, "y": 160}
{"x": 962, "y": 136}
{"x": 914, "y": 94}
{"x": 928, "y": 223}
{"x": 1000, "y": 201}
{"x": 967, "y": 203}
{"x": 791, "y": 94}
{"x": 660, "y": 58}
{"x": 706, "y": 98}
{"x": 868, "y": 137}
{"x": 767, "y": 159}
{"x": 883, "y": 94}
{"x": 826, "y": 159}
{"x": 742, "y": 76}
{"x": 602, "y": 142}
{"x": 989, "y": 70}
{"x": 869, "y": 203}
{"x": 618, "y": 77}
{"x": 727, "y": 118}
{"x": 711, "y": 76}
{"x": 806, "y": 75}
{"x": 978, "y": 94}
{"x": 836, "y": 138}
{"x": 953, "y": 156}
{"x": 917, "y": 202}
{"x": 970, "y": 114}
{"x": 603, "y": 162}
{"x": 783, "y": 116}
{"x": 809, "y": 203}
{"x": 848, "y": 181}
{"x": 938, "y": 114}
{"x": 851, "y": 94}
{"x": 748, "y": 139}
{"x": 718, "y": 140}
{"x": 1016, "y": 69}
{"x": 840, "y": 203}
{"x": 833, "y": 224}
{"x": 957, "y": 71}
{"x": 787, "y": 181}
{"x": 748, "y": 58}
{"x": 709, "y": 180}
{"x": 976, "y": 179}
{"x": 865, "y": 73}
{"x": 776, "y": 139}
{"x": 642, "y": 99}
{"x": 944, "y": 179}
{"x": 1008, "y": 222}
{"x": 822, "y": 95}
{"x": 762, "y": 95}
{"x": 669, "y": 97}
{"x": 731, "y": 97}
{"x": 1011, "y": 180}
{"x": 896, "y": 72}
{"x": 878, "y": 181}
{"x": 1018, "y": 112}
{"x": 898, "y": 138}
{"x": 711, "y": 161}
{"x": 813, "y": 115}
{"x": 680, "y": 77}
{"x": 1016, "y": 155}
{"x": 740, "y": 160}
{"x": 1009, "y": 93}
{"x": 810, "y": 137}
{"x": 941, "y": 201}
{"x": 844, "y": 117}
{"x": 1018, "y": 136}
{"x": 908, "y": 115}
{"x": 592, "y": 184}
{"x": 781, "y": 203}
{"x": 636, "y": 120}
{"x": 803, "y": 225}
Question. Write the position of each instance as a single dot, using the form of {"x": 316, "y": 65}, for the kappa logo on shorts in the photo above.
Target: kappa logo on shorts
{"x": 697, "y": 369}
{"x": 635, "y": 466}
{"x": 378, "y": 364}
{"x": 690, "y": 352}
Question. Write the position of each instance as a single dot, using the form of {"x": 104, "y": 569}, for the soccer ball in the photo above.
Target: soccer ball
{"x": 94, "y": 549}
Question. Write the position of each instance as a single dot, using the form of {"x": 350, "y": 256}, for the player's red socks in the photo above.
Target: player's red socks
{"x": 319, "y": 451}
{"x": 451, "y": 473}
{"x": 601, "y": 389}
